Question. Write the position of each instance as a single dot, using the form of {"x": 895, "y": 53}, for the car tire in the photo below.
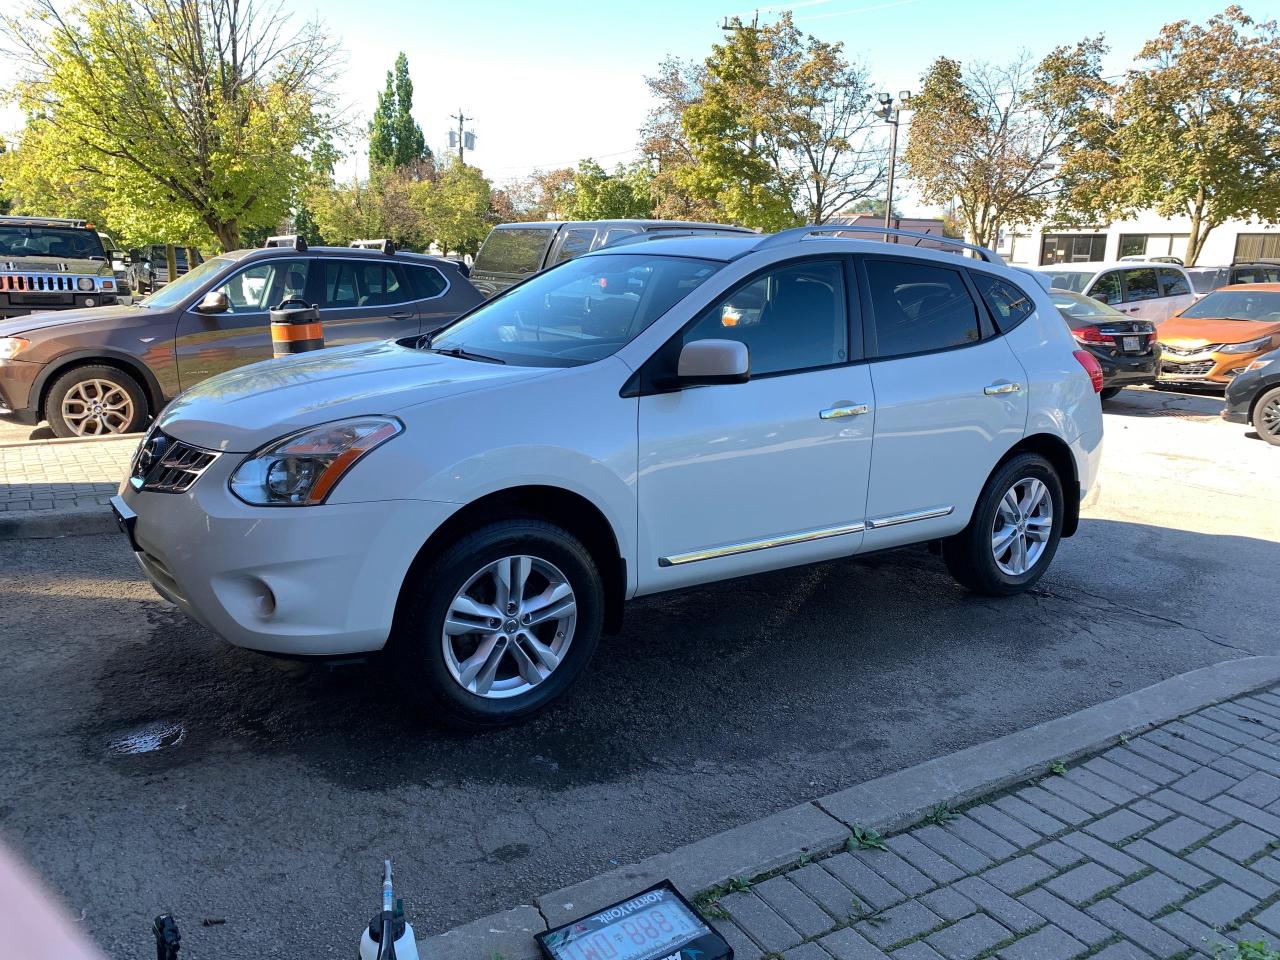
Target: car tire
{"x": 1109, "y": 392}
{"x": 437, "y": 669}
{"x": 1266, "y": 416}
{"x": 94, "y": 401}
{"x": 980, "y": 558}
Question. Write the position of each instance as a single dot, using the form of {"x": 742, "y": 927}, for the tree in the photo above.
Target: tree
{"x": 1193, "y": 130}
{"x": 456, "y": 208}
{"x": 676, "y": 86}
{"x": 989, "y": 138}
{"x": 597, "y": 195}
{"x": 541, "y": 195}
{"x": 395, "y": 139}
{"x": 189, "y": 119}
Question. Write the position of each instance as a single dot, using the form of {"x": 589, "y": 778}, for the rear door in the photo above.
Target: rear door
{"x": 440, "y": 295}
{"x": 1142, "y": 295}
{"x": 365, "y": 299}
{"x": 1175, "y": 290}
{"x": 950, "y": 397}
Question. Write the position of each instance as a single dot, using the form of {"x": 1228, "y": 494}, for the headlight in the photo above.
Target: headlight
{"x": 10, "y": 347}
{"x": 85, "y": 283}
{"x": 1259, "y": 364}
{"x": 1252, "y": 346}
{"x": 301, "y": 469}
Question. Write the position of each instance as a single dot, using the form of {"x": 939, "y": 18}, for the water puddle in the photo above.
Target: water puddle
{"x": 148, "y": 739}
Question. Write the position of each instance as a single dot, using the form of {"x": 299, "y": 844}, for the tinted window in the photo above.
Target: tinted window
{"x": 1107, "y": 288}
{"x": 617, "y": 233}
{"x": 790, "y": 319}
{"x": 1009, "y": 304}
{"x": 1207, "y": 278}
{"x": 579, "y": 311}
{"x": 1236, "y": 305}
{"x": 1140, "y": 284}
{"x": 60, "y": 242}
{"x": 575, "y": 244}
{"x": 427, "y": 281}
{"x": 918, "y": 308}
{"x": 249, "y": 291}
{"x": 363, "y": 283}
{"x": 1173, "y": 283}
{"x": 517, "y": 251}
{"x": 1073, "y": 280}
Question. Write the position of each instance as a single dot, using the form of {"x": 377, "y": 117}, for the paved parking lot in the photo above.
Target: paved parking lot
{"x": 285, "y": 785}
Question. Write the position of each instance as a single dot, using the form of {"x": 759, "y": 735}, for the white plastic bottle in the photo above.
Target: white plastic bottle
{"x": 406, "y": 947}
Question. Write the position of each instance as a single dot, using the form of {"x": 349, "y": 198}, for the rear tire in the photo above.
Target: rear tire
{"x": 96, "y": 401}
{"x": 1266, "y": 416}
{"x": 1009, "y": 543}
{"x": 494, "y": 675}
{"x": 1109, "y": 392}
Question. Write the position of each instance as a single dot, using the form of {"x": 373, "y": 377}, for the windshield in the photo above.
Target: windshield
{"x": 1073, "y": 280}
{"x": 514, "y": 250}
{"x": 1262, "y": 305}
{"x": 1079, "y": 306}
{"x": 62, "y": 243}
{"x": 583, "y": 310}
{"x": 177, "y": 291}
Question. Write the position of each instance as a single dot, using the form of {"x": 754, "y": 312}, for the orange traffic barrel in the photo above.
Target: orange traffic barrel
{"x": 295, "y": 328}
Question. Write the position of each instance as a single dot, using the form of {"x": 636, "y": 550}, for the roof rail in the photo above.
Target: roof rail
{"x": 287, "y": 240}
{"x": 386, "y": 246}
{"x": 800, "y": 233}
{"x": 666, "y": 233}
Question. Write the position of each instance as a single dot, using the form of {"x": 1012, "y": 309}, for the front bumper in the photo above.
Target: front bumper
{"x": 306, "y": 581}
{"x": 16, "y": 401}
{"x": 20, "y": 305}
{"x": 1216, "y": 369}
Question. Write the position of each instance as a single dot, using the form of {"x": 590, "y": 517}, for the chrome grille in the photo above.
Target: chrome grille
{"x": 1187, "y": 369}
{"x": 42, "y": 283}
{"x": 164, "y": 464}
{"x": 1190, "y": 351}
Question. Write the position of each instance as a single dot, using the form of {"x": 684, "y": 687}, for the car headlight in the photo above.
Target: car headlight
{"x": 10, "y": 347}
{"x": 301, "y": 469}
{"x": 1259, "y": 364}
{"x": 1251, "y": 346}
{"x": 85, "y": 283}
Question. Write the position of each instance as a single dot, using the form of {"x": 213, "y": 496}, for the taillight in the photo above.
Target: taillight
{"x": 1091, "y": 367}
{"x": 1092, "y": 335}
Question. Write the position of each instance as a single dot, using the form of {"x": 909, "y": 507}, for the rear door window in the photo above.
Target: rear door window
{"x": 1173, "y": 283}
{"x": 514, "y": 251}
{"x": 918, "y": 308}
{"x": 1107, "y": 288}
{"x": 1140, "y": 284}
{"x": 575, "y": 243}
{"x": 364, "y": 283}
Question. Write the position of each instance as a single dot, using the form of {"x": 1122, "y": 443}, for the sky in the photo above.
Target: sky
{"x": 549, "y": 83}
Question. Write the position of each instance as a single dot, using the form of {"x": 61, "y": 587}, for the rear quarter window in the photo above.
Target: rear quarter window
{"x": 1008, "y": 304}
{"x": 514, "y": 251}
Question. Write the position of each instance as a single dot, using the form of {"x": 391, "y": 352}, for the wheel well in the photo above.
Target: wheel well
{"x": 149, "y": 387}
{"x": 1057, "y": 453}
{"x": 575, "y": 513}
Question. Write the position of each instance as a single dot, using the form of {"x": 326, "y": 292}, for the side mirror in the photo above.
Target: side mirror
{"x": 215, "y": 301}
{"x": 714, "y": 361}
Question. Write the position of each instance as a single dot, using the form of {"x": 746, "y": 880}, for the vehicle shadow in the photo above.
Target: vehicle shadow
{"x": 1147, "y": 402}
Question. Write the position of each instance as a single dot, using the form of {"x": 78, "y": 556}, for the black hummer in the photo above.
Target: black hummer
{"x": 48, "y": 263}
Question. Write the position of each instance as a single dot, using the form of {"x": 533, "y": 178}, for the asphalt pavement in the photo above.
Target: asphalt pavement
{"x": 147, "y": 767}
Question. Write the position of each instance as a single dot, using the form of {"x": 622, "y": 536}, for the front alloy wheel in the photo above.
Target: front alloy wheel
{"x": 96, "y": 401}
{"x": 1266, "y": 416}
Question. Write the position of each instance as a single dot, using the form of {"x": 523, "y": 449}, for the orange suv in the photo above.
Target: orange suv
{"x": 1215, "y": 338}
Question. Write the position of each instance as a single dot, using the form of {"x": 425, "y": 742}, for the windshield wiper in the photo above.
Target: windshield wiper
{"x": 464, "y": 354}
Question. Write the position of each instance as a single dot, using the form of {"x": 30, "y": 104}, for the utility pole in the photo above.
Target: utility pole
{"x": 730, "y": 24}
{"x": 891, "y": 112}
{"x": 460, "y": 139}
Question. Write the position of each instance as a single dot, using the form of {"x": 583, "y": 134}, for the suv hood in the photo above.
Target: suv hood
{"x": 244, "y": 409}
{"x": 1194, "y": 332}
{"x": 16, "y": 326}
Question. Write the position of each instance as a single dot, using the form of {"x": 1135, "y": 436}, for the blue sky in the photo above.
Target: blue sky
{"x": 551, "y": 82}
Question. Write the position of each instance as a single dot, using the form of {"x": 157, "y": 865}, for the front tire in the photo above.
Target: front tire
{"x": 500, "y": 625}
{"x": 96, "y": 401}
{"x": 1014, "y": 532}
{"x": 1266, "y": 416}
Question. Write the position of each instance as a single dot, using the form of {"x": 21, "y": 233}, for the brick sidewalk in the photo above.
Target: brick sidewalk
{"x": 1164, "y": 846}
{"x": 62, "y": 475}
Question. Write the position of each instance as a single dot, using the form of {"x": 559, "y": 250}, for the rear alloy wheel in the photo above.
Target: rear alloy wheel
{"x": 1014, "y": 531}
{"x": 500, "y": 625}
{"x": 96, "y": 401}
{"x": 1266, "y": 416}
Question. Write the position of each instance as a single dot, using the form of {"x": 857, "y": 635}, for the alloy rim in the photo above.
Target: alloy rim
{"x": 509, "y": 627}
{"x": 1271, "y": 418}
{"x": 1023, "y": 523}
{"x": 96, "y": 407}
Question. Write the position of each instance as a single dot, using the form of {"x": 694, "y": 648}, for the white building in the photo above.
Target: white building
{"x": 1145, "y": 235}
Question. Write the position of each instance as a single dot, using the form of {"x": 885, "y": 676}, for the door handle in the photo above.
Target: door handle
{"x": 400, "y": 315}
{"x": 996, "y": 389}
{"x": 844, "y": 410}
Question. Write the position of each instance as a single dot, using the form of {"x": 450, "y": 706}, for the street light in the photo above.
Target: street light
{"x": 890, "y": 113}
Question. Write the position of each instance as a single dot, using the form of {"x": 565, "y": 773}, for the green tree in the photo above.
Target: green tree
{"x": 456, "y": 208}
{"x": 189, "y": 120}
{"x": 1193, "y": 130}
{"x": 395, "y": 139}
{"x": 343, "y": 212}
{"x": 989, "y": 137}
{"x": 597, "y": 195}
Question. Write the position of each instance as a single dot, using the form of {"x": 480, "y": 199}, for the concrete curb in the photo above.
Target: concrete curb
{"x": 51, "y": 524}
{"x": 889, "y": 803}
{"x": 59, "y": 441}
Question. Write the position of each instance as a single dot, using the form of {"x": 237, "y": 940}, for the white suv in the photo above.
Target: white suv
{"x": 650, "y": 416}
{"x": 1153, "y": 290}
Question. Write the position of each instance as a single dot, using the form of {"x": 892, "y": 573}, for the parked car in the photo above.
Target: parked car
{"x": 1131, "y": 258}
{"x": 50, "y": 263}
{"x": 1150, "y": 291}
{"x": 1254, "y": 397}
{"x": 119, "y": 266}
{"x": 1125, "y": 348}
{"x": 674, "y": 412}
{"x": 1207, "y": 279}
{"x": 1217, "y": 337}
{"x": 149, "y": 265}
{"x": 109, "y": 370}
{"x": 513, "y": 251}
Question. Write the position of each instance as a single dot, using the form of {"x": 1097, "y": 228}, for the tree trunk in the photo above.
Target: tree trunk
{"x": 227, "y": 234}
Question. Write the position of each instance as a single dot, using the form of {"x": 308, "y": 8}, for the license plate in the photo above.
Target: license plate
{"x": 1131, "y": 344}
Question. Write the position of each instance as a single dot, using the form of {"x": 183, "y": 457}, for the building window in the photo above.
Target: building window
{"x": 1072, "y": 247}
{"x": 1152, "y": 244}
{"x": 1257, "y": 246}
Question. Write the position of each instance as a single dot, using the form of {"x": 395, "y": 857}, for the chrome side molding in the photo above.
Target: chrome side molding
{"x": 897, "y": 518}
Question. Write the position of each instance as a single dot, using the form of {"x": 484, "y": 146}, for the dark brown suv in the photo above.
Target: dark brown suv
{"x": 110, "y": 369}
